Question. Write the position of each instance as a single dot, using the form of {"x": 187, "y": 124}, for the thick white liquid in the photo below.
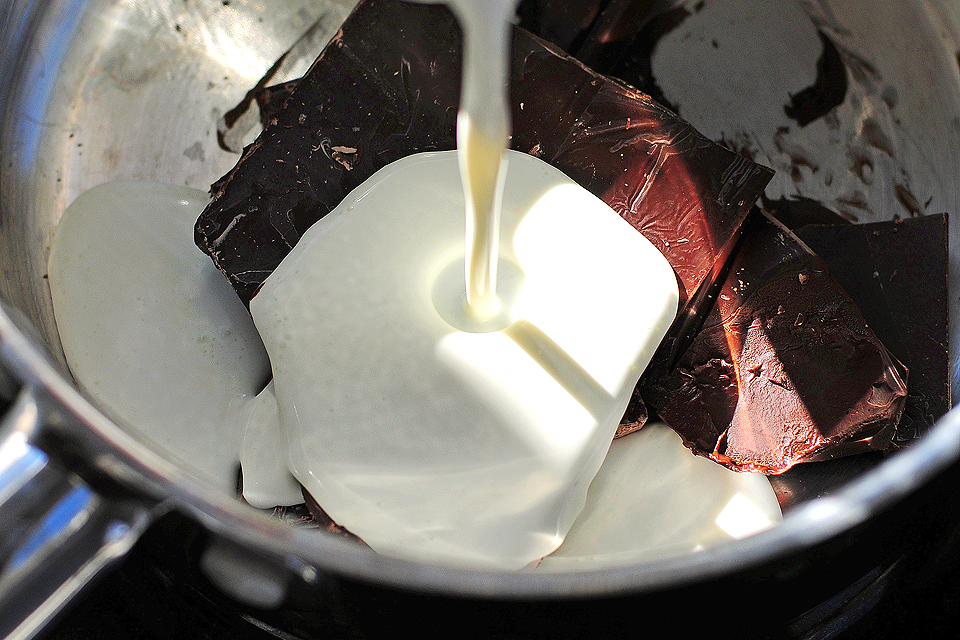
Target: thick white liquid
{"x": 150, "y": 328}
{"x": 483, "y": 135}
{"x": 158, "y": 371}
{"x": 482, "y": 168}
{"x": 427, "y": 437}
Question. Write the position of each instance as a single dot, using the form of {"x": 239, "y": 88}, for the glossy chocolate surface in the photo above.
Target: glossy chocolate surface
{"x": 388, "y": 86}
{"x": 378, "y": 93}
{"x": 896, "y": 272}
{"x": 785, "y": 368}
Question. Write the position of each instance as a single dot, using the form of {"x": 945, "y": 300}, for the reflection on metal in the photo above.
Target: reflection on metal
{"x": 69, "y": 514}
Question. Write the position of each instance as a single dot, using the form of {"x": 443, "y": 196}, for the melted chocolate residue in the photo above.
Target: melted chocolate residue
{"x": 907, "y": 200}
{"x": 635, "y": 66}
{"x": 828, "y": 91}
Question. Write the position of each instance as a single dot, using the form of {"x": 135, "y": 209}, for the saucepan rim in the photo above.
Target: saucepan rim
{"x": 157, "y": 480}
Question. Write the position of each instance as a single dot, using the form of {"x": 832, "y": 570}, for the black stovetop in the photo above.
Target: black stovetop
{"x": 155, "y": 594}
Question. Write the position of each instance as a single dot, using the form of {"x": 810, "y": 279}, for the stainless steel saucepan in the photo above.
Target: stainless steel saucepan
{"x": 96, "y": 90}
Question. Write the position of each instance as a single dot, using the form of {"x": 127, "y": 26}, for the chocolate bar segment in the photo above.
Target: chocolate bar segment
{"x": 359, "y": 107}
{"x": 564, "y": 23}
{"x": 896, "y": 272}
{"x": 614, "y": 30}
{"x": 388, "y": 86}
{"x": 785, "y": 369}
{"x": 796, "y": 212}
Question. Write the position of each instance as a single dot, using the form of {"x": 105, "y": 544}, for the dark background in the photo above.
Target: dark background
{"x": 156, "y": 592}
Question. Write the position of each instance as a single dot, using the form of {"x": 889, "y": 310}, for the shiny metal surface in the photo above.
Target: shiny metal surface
{"x": 57, "y": 530}
{"x": 67, "y": 532}
{"x": 105, "y": 90}
{"x": 93, "y": 91}
{"x": 97, "y": 90}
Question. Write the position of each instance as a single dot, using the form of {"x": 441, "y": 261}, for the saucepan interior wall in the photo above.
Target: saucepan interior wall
{"x": 98, "y": 91}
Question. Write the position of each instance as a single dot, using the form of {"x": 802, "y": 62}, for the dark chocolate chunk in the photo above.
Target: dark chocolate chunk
{"x": 388, "y": 86}
{"x": 784, "y": 369}
{"x": 564, "y": 23}
{"x": 613, "y": 31}
{"x": 896, "y": 272}
{"x": 371, "y": 97}
{"x": 567, "y": 24}
{"x": 796, "y": 211}
{"x": 686, "y": 194}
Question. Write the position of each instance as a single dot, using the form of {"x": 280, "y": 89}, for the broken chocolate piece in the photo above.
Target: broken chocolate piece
{"x": 897, "y": 273}
{"x": 564, "y": 23}
{"x": 322, "y": 520}
{"x": 785, "y": 369}
{"x": 388, "y": 86}
{"x": 797, "y": 211}
{"x": 613, "y": 31}
{"x": 369, "y": 99}
{"x": 686, "y": 194}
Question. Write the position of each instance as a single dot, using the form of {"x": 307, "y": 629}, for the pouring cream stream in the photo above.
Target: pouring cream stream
{"x": 483, "y": 134}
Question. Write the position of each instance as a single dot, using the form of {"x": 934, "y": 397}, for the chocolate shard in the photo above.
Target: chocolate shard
{"x": 784, "y": 369}
{"x": 896, "y": 272}
{"x": 612, "y": 32}
{"x": 796, "y": 212}
{"x": 376, "y": 94}
{"x": 564, "y": 23}
{"x": 388, "y": 86}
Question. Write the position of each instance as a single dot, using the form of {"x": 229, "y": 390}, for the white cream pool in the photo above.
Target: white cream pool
{"x": 164, "y": 346}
